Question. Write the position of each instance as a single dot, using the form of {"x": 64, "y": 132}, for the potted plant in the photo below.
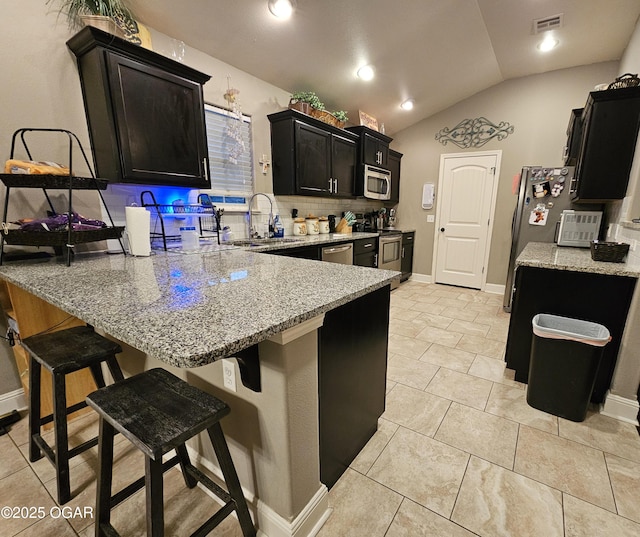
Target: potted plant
{"x": 108, "y": 15}
{"x": 341, "y": 116}
{"x": 304, "y": 101}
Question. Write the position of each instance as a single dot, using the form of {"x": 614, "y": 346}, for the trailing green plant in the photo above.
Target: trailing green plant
{"x": 341, "y": 115}
{"x": 308, "y": 97}
{"x": 74, "y": 9}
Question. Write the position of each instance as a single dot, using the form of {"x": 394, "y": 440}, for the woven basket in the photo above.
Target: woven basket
{"x": 612, "y": 252}
{"x": 627, "y": 80}
{"x": 327, "y": 117}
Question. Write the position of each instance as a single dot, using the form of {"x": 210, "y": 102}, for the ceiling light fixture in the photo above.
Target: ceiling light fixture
{"x": 282, "y": 9}
{"x": 548, "y": 43}
{"x": 407, "y": 105}
{"x": 365, "y": 72}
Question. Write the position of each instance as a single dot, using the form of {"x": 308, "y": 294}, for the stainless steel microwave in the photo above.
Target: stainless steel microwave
{"x": 377, "y": 183}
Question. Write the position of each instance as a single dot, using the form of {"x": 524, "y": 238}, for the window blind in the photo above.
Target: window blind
{"x": 230, "y": 154}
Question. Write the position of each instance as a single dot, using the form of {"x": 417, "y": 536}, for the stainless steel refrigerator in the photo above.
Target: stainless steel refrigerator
{"x": 543, "y": 194}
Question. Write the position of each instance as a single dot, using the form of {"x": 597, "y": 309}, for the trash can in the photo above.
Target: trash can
{"x": 565, "y": 355}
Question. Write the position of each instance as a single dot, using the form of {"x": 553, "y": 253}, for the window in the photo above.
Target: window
{"x": 230, "y": 158}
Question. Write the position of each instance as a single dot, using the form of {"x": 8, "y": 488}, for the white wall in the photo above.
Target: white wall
{"x": 537, "y": 106}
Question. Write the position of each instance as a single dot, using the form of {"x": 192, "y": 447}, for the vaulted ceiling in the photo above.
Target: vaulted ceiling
{"x": 437, "y": 52}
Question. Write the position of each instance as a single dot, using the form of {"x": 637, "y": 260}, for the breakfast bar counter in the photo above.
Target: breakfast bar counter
{"x": 186, "y": 312}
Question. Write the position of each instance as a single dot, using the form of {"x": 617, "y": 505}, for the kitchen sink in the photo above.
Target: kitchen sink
{"x": 265, "y": 241}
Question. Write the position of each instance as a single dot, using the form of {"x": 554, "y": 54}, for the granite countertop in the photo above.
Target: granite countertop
{"x": 189, "y": 310}
{"x": 297, "y": 241}
{"x": 550, "y": 255}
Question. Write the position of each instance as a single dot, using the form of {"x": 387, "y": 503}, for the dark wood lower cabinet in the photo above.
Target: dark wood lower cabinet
{"x": 352, "y": 369}
{"x": 598, "y": 298}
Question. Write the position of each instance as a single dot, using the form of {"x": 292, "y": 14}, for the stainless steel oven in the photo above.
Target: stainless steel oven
{"x": 389, "y": 253}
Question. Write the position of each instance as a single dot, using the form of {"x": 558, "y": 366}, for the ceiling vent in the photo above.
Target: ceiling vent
{"x": 548, "y": 23}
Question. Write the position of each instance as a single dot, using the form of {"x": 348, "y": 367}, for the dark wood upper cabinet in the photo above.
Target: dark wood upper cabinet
{"x": 145, "y": 112}
{"x": 310, "y": 157}
{"x": 395, "y": 159}
{"x": 610, "y": 123}
{"x": 374, "y": 146}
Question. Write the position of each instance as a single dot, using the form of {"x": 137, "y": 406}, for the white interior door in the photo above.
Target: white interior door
{"x": 467, "y": 184}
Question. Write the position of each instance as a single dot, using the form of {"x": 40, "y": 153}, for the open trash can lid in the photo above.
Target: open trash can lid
{"x": 556, "y": 327}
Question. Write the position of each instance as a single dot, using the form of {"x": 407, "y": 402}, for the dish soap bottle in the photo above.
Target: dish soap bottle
{"x": 278, "y": 228}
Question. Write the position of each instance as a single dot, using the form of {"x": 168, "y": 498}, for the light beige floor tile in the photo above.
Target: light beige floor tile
{"x": 582, "y": 519}
{"x": 496, "y": 502}
{"x": 481, "y": 345}
{"x": 494, "y": 370}
{"x": 493, "y": 298}
{"x": 413, "y": 520}
{"x": 471, "y": 328}
{"x": 489, "y": 437}
{"x": 408, "y": 328}
{"x": 485, "y": 309}
{"x": 437, "y": 321}
{"x": 403, "y": 292}
{"x": 398, "y": 302}
{"x": 422, "y": 469}
{"x": 53, "y": 525}
{"x": 365, "y": 459}
{"x": 565, "y": 465}
{"x": 360, "y": 507}
{"x": 402, "y": 313}
{"x": 605, "y": 433}
{"x": 22, "y": 489}
{"x": 625, "y": 481}
{"x": 446, "y": 293}
{"x": 475, "y": 297}
{"x": 460, "y": 313}
{"x": 390, "y": 386}
{"x": 429, "y": 304}
{"x": 11, "y": 459}
{"x": 460, "y": 387}
{"x": 407, "y": 346}
{"x": 452, "y": 303}
{"x": 415, "y": 409}
{"x": 19, "y": 432}
{"x": 448, "y": 357}
{"x": 447, "y": 338}
{"x": 410, "y": 372}
{"x": 510, "y": 402}
{"x": 498, "y": 333}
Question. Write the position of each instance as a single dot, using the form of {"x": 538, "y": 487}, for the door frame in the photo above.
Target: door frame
{"x": 494, "y": 196}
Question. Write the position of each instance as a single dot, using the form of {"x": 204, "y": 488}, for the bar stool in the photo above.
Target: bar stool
{"x": 158, "y": 412}
{"x": 62, "y": 353}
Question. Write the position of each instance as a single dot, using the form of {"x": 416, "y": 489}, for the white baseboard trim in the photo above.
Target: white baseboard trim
{"x": 268, "y": 522}
{"x": 620, "y": 408}
{"x": 306, "y": 524}
{"x": 15, "y": 400}
{"x": 420, "y": 278}
{"x": 494, "y": 288}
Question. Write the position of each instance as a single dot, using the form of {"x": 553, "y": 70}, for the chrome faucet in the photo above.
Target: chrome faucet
{"x": 253, "y": 234}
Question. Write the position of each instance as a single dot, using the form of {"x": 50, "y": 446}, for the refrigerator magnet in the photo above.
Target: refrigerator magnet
{"x": 540, "y": 190}
{"x": 556, "y": 189}
{"x": 538, "y": 216}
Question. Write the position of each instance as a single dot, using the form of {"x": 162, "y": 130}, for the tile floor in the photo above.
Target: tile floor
{"x": 458, "y": 451}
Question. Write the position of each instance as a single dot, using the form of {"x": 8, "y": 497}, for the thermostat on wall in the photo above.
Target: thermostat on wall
{"x": 428, "y": 194}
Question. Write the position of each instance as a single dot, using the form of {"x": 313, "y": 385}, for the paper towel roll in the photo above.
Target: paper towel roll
{"x": 138, "y": 222}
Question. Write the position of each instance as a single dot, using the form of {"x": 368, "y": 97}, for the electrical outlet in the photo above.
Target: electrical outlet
{"x": 229, "y": 374}
{"x": 431, "y": 218}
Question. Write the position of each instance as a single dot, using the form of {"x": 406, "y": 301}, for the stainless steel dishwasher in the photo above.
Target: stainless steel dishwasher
{"x": 342, "y": 254}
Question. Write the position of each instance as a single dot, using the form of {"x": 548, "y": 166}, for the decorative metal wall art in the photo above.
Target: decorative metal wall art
{"x": 474, "y": 132}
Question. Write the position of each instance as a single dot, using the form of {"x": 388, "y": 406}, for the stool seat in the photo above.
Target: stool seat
{"x": 156, "y": 411}
{"x": 70, "y": 350}
{"x": 61, "y": 353}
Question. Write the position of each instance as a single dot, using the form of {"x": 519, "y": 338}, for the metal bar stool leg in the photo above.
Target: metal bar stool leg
{"x": 155, "y": 505}
{"x": 35, "y": 374}
{"x": 105, "y": 476}
{"x": 61, "y": 439}
{"x": 231, "y": 479}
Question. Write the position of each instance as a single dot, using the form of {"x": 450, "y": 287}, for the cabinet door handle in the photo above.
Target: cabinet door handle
{"x": 375, "y": 260}
{"x": 331, "y": 186}
{"x": 206, "y": 168}
{"x": 368, "y": 245}
{"x": 403, "y": 252}
{"x": 335, "y": 186}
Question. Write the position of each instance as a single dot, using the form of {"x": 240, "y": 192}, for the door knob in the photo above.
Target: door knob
{"x": 441, "y": 229}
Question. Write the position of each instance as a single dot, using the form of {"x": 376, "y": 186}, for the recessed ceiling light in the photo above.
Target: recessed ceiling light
{"x": 549, "y": 43}
{"x": 282, "y": 9}
{"x": 365, "y": 72}
{"x": 407, "y": 105}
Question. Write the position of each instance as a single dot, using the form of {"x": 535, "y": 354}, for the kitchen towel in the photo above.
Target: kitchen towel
{"x": 138, "y": 222}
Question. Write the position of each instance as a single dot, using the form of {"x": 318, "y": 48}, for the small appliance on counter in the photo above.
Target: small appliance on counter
{"x": 578, "y": 228}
